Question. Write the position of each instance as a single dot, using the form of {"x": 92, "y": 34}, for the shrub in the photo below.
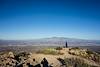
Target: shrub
{"x": 89, "y": 52}
{"x": 58, "y": 48}
{"x": 75, "y": 48}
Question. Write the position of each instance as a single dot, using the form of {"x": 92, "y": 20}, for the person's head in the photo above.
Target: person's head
{"x": 33, "y": 59}
{"x": 44, "y": 58}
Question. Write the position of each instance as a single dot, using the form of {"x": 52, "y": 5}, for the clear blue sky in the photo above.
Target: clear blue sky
{"x": 29, "y": 19}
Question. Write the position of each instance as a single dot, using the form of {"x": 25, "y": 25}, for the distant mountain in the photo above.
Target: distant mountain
{"x": 54, "y": 41}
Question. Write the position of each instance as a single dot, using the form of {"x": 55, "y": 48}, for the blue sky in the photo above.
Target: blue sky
{"x": 29, "y": 19}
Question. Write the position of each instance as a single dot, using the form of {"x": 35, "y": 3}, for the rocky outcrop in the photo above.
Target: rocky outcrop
{"x": 85, "y": 53}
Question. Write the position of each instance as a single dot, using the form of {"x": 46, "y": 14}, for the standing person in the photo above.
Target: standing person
{"x": 66, "y": 45}
{"x": 44, "y": 62}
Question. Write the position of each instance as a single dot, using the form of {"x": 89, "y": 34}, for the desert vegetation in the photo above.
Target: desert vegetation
{"x": 51, "y": 51}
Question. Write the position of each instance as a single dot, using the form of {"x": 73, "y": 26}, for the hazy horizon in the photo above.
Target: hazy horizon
{"x": 33, "y": 19}
{"x": 53, "y": 38}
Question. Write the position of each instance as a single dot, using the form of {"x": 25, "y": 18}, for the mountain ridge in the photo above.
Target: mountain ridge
{"x": 53, "y": 41}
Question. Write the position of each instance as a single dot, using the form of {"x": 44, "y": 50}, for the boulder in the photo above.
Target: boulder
{"x": 10, "y": 55}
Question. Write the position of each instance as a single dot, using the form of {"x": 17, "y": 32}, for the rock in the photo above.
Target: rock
{"x": 11, "y": 55}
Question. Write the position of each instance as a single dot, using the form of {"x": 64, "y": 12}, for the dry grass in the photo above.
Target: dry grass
{"x": 51, "y": 51}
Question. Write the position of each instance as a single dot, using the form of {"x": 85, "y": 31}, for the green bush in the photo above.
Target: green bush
{"x": 74, "y": 48}
{"x": 58, "y": 48}
{"x": 89, "y": 52}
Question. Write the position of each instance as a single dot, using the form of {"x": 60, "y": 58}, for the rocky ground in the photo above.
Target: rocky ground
{"x": 55, "y": 57}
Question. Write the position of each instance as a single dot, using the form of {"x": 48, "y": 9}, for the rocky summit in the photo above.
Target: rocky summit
{"x": 51, "y": 57}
